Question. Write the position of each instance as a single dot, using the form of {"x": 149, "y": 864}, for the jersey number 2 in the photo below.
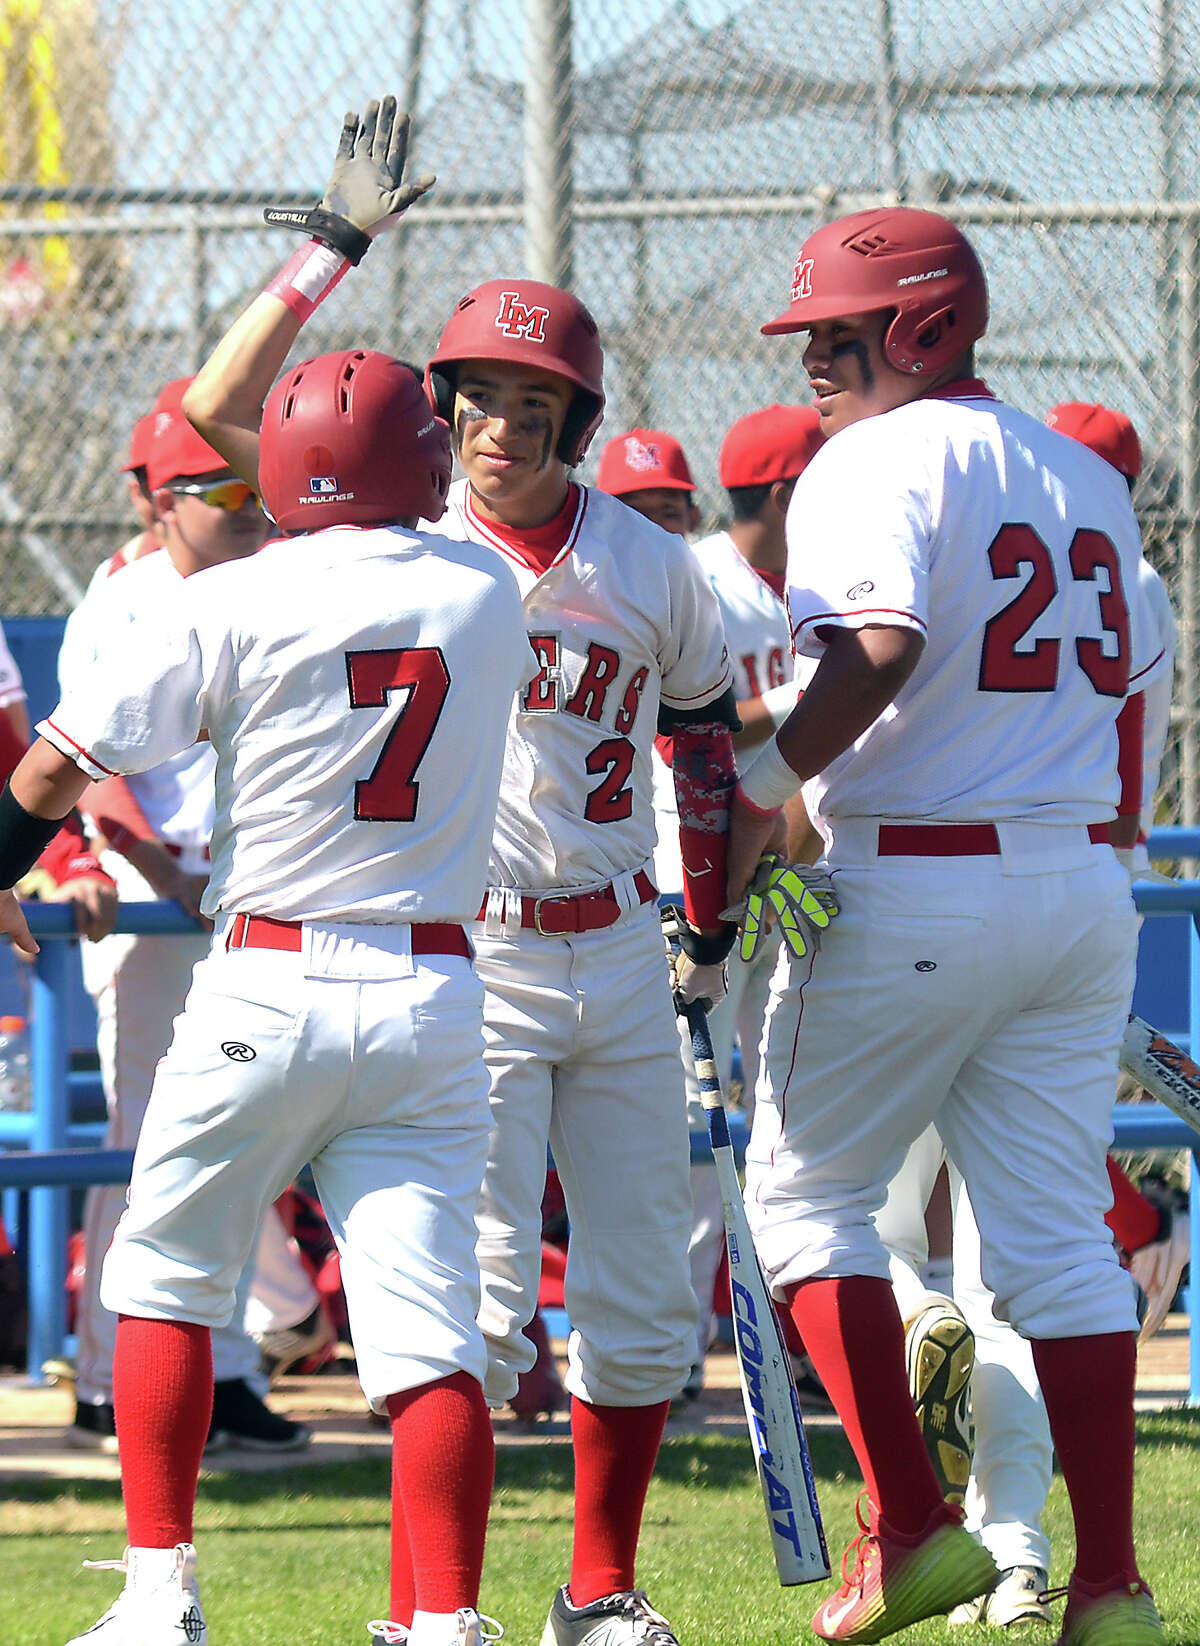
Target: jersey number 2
{"x": 391, "y": 792}
{"x": 1002, "y": 668}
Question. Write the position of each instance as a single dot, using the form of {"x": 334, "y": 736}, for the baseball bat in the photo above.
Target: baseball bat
{"x": 1163, "y": 1069}
{"x": 781, "y": 1453}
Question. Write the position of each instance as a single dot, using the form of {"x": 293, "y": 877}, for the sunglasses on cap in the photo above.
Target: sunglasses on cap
{"x": 230, "y": 495}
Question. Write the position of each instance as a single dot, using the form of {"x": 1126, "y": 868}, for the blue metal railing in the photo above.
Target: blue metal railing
{"x": 49, "y": 1166}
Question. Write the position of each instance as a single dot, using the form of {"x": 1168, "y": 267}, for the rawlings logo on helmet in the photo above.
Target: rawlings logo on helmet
{"x": 641, "y": 455}
{"x": 802, "y": 278}
{"x": 518, "y": 319}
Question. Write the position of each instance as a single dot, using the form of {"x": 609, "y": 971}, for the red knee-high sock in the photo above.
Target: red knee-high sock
{"x": 443, "y": 1463}
{"x": 162, "y": 1401}
{"x": 615, "y": 1451}
{"x": 853, "y": 1333}
{"x": 1088, "y": 1385}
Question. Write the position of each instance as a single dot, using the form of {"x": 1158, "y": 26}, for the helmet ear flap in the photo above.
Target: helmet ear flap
{"x": 579, "y": 425}
{"x": 439, "y": 387}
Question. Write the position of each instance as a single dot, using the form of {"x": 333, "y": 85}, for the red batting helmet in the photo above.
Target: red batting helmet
{"x": 915, "y": 262}
{"x": 349, "y": 439}
{"x": 533, "y": 325}
{"x": 1109, "y": 433}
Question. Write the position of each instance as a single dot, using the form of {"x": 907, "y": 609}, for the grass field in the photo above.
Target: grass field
{"x": 300, "y": 1558}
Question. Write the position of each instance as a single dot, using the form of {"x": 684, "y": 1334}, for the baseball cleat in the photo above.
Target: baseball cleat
{"x": 469, "y": 1628}
{"x": 94, "y": 1428}
{"x": 624, "y": 1619}
{"x": 241, "y": 1419}
{"x": 159, "y": 1605}
{"x": 1120, "y": 1617}
{"x": 895, "y": 1582}
{"x": 939, "y": 1348}
{"x": 1017, "y": 1598}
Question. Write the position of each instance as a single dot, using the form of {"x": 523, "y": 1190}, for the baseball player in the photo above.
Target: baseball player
{"x": 647, "y": 469}
{"x": 760, "y": 459}
{"x": 580, "y": 1037}
{"x": 337, "y": 1016}
{"x": 157, "y": 829}
{"x": 975, "y": 645}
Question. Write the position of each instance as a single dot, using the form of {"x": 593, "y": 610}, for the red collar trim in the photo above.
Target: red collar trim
{"x": 963, "y": 388}
{"x": 536, "y": 547}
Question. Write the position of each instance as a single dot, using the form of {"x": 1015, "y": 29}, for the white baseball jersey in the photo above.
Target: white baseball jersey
{"x": 757, "y": 632}
{"x": 337, "y": 718}
{"x": 1015, "y": 553}
{"x": 622, "y": 620}
{"x": 1156, "y": 683}
{"x": 12, "y": 687}
{"x": 176, "y": 797}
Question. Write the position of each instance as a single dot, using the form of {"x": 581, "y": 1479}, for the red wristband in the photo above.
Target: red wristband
{"x": 307, "y": 279}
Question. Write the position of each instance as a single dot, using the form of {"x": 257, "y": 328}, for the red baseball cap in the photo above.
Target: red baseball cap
{"x": 176, "y": 450}
{"x": 139, "y": 444}
{"x": 776, "y": 443}
{"x": 1109, "y": 433}
{"x": 643, "y": 460}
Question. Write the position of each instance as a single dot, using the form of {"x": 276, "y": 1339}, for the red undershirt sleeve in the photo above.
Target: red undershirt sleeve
{"x": 705, "y": 776}
{"x": 1130, "y": 733}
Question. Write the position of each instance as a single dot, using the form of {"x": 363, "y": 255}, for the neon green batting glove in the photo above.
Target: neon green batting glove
{"x": 800, "y": 897}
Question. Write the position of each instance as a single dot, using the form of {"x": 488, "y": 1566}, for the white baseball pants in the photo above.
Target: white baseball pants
{"x": 583, "y": 1054}
{"x": 363, "y": 1060}
{"x": 987, "y": 994}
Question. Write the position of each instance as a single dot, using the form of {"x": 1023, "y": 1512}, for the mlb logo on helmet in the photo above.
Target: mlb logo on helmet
{"x": 322, "y": 484}
{"x": 517, "y": 319}
{"x": 802, "y": 278}
{"x": 641, "y": 456}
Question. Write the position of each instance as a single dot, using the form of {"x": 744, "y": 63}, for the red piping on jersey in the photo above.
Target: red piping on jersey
{"x": 1152, "y": 665}
{"x": 86, "y": 754}
{"x": 508, "y": 539}
{"x": 709, "y": 694}
{"x": 887, "y": 611}
{"x": 963, "y": 388}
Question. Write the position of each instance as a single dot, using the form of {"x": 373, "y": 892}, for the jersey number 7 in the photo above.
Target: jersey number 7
{"x": 391, "y": 792}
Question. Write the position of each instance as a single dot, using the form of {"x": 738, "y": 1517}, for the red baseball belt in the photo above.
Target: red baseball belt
{"x": 954, "y": 839}
{"x": 563, "y": 914}
{"x": 259, "y": 931}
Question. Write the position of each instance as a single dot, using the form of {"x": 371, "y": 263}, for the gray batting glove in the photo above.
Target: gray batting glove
{"x": 367, "y": 186}
{"x": 366, "y": 191}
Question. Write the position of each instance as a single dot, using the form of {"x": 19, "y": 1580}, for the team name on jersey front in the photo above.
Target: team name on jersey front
{"x": 620, "y": 623}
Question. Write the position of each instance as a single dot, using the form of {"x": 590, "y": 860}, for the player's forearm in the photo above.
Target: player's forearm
{"x": 46, "y": 784}
{"x": 756, "y": 720}
{"x": 224, "y": 402}
{"x": 857, "y": 679}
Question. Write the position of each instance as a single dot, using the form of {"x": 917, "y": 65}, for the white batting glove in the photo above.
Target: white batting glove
{"x": 699, "y": 975}
{"x": 1157, "y": 1268}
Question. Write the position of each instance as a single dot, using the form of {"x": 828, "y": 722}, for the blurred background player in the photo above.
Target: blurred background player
{"x": 580, "y": 1038}
{"x": 337, "y": 678}
{"x": 982, "y": 965}
{"x": 647, "y": 469}
{"x": 154, "y": 831}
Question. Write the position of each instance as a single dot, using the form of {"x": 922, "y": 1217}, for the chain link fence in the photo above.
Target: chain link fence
{"x": 665, "y": 160}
